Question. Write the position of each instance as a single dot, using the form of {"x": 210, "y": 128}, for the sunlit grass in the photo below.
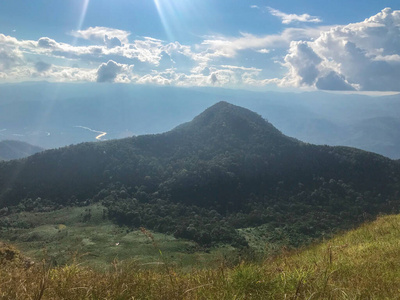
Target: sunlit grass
{"x": 361, "y": 264}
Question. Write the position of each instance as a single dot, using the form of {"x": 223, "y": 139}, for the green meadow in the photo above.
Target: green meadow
{"x": 360, "y": 264}
{"x": 67, "y": 235}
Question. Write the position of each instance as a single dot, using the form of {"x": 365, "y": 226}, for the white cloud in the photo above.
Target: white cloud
{"x": 230, "y": 46}
{"x": 302, "y": 62}
{"x": 109, "y": 36}
{"x": 6, "y": 40}
{"x": 67, "y": 74}
{"x": 290, "y": 18}
{"x": 363, "y": 56}
{"x": 251, "y": 69}
{"x": 9, "y": 57}
{"x": 154, "y": 79}
{"x": 146, "y": 50}
{"x": 53, "y": 74}
{"x": 216, "y": 77}
{"x": 264, "y": 51}
{"x": 108, "y": 72}
{"x": 388, "y": 58}
{"x": 46, "y": 42}
{"x": 109, "y": 60}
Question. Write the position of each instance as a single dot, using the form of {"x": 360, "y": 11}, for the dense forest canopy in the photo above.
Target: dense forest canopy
{"x": 228, "y": 168}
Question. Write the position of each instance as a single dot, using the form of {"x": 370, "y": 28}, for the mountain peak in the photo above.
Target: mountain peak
{"x": 224, "y": 118}
{"x": 228, "y": 108}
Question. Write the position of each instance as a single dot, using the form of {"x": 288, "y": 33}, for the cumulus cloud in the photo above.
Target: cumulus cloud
{"x": 112, "y": 42}
{"x": 333, "y": 81}
{"x": 46, "y": 42}
{"x": 9, "y": 57}
{"x": 68, "y": 74}
{"x": 109, "y": 36}
{"x": 290, "y": 18}
{"x": 113, "y": 55}
{"x": 305, "y": 60}
{"x": 147, "y": 50}
{"x": 154, "y": 79}
{"x": 362, "y": 56}
{"x": 213, "y": 78}
{"x": 108, "y": 72}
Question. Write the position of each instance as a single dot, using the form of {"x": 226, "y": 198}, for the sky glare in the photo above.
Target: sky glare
{"x": 247, "y": 44}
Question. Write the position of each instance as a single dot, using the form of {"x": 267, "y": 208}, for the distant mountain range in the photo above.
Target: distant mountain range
{"x": 16, "y": 149}
{"x": 53, "y": 115}
{"x": 227, "y": 168}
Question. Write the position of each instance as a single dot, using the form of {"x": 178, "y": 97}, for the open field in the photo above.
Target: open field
{"x": 69, "y": 234}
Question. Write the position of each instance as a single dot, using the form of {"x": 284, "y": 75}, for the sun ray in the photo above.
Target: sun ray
{"x": 50, "y": 104}
{"x": 83, "y": 14}
{"x": 163, "y": 18}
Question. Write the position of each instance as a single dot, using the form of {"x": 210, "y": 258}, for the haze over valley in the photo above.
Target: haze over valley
{"x": 56, "y": 115}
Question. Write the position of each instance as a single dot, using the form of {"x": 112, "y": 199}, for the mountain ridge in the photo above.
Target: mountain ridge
{"x": 11, "y": 149}
{"x": 229, "y": 166}
{"x": 122, "y": 111}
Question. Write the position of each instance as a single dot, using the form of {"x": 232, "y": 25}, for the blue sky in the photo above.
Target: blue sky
{"x": 249, "y": 44}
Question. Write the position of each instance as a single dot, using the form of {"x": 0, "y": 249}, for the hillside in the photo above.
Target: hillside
{"x": 16, "y": 149}
{"x": 360, "y": 264}
{"x": 227, "y": 169}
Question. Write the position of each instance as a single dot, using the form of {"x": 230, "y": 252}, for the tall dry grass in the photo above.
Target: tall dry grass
{"x": 361, "y": 264}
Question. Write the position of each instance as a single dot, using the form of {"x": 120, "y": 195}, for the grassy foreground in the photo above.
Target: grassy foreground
{"x": 361, "y": 264}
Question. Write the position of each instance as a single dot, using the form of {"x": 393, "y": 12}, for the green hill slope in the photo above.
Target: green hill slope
{"x": 227, "y": 169}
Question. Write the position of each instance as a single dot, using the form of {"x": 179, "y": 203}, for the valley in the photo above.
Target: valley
{"x": 359, "y": 264}
{"x": 228, "y": 179}
{"x": 66, "y": 235}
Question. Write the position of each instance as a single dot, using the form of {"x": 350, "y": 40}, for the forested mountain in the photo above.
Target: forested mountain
{"x": 228, "y": 168}
{"x": 54, "y": 115}
{"x": 16, "y": 149}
